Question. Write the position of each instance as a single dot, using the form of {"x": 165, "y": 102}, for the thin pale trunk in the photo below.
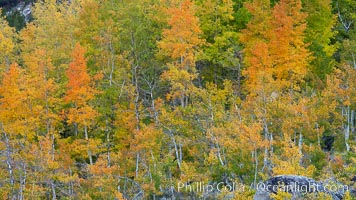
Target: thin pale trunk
{"x": 268, "y": 137}
{"x": 137, "y": 114}
{"x": 88, "y": 145}
{"x": 137, "y": 97}
{"x": 346, "y": 112}
{"x": 7, "y": 61}
{"x": 22, "y": 181}
{"x": 300, "y": 143}
{"x": 135, "y": 81}
{"x": 54, "y": 195}
{"x": 352, "y": 121}
{"x": 176, "y": 150}
{"x": 53, "y": 146}
{"x": 182, "y": 102}
{"x": 256, "y": 168}
{"x": 112, "y": 51}
{"x": 8, "y": 162}
{"x": 70, "y": 184}
{"x": 75, "y": 129}
{"x": 216, "y": 145}
{"x": 211, "y": 125}
{"x": 318, "y": 132}
{"x": 180, "y": 152}
{"x": 149, "y": 171}
{"x": 122, "y": 88}
{"x": 219, "y": 155}
{"x": 110, "y": 77}
{"x": 108, "y": 144}
{"x": 155, "y": 113}
{"x": 265, "y": 158}
{"x": 125, "y": 184}
{"x": 137, "y": 159}
{"x": 345, "y": 24}
{"x": 153, "y": 160}
{"x": 271, "y": 142}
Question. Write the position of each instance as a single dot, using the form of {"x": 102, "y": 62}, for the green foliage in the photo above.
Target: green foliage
{"x": 162, "y": 92}
{"x": 319, "y": 34}
{"x": 16, "y": 20}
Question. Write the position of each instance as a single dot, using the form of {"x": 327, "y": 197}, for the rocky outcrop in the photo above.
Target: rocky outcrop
{"x": 299, "y": 186}
{"x": 23, "y": 8}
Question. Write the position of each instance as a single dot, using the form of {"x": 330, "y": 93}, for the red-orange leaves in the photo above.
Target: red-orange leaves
{"x": 289, "y": 53}
{"x": 79, "y": 89}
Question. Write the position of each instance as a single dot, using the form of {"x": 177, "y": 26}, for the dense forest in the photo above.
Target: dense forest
{"x": 129, "y": 99}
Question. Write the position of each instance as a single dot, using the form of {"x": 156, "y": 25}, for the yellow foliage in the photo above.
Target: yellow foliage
{"x": 246, "y": 194}
{"x": 188, "y": 173}
{"x": 181, "y": 39}
{"x": 290, "y": 161}
{"x": 281, "y": 195}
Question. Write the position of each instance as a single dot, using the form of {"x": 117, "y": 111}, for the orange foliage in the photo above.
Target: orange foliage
{"x": 289, "y": 52}
{"x": 79, "y": 89}
{"x": 12, "y": 108}
{"x": 182, "y": 38}
{"x": 180, "y": 43}
{"x": 274, "y": 44}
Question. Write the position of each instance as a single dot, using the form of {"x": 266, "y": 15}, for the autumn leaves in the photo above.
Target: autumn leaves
{"x": 125, "y": 98}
